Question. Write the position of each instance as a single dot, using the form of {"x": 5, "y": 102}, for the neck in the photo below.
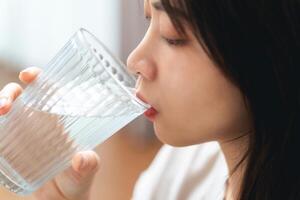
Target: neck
{"x": 234, "y": 151}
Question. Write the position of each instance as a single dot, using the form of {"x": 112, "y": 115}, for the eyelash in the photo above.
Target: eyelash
{"x": 174, "y": 42}
{"x": 171, "y": 42}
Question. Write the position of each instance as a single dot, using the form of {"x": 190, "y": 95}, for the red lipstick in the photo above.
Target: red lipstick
{"x": 151, "y": 112}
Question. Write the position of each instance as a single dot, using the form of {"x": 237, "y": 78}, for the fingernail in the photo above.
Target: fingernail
{"x": 3, "y": 101}
{"x": 26, "y": 72}
{"x": 83, "y": 161}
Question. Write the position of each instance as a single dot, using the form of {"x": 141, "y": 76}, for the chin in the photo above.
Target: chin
{"x": 173, "y": 138}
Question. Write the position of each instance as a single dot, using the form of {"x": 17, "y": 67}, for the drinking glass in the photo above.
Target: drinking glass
{"x": 82, "y": 97}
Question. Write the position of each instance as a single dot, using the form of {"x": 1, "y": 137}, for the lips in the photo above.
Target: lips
{"x": 151, "y": 112}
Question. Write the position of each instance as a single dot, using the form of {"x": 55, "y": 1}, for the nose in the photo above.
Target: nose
{"x": 141, "y": 62}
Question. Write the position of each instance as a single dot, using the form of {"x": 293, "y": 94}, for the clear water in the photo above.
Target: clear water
{"x": 47, "y": 126}
{"x": 82, "y": 97}
{"x": 32, "y": 153}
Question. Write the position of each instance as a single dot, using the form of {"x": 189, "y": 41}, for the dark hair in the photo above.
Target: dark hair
{"x": 257, "y": 45}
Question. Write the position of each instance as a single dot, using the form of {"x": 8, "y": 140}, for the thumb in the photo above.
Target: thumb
{"x": 75, "y": 182}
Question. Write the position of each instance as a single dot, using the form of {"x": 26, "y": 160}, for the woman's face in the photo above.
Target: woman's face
{"x": 193, "y": 101}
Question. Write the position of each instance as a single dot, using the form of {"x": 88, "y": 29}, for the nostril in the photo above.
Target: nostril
{"x": 137, "y": 74}
{"x": 143, "y": 67}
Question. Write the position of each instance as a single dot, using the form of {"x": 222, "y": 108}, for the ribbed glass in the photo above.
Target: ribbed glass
{"x": 81, "y": 98}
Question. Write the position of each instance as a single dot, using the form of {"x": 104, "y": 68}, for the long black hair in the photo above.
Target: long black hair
{"x": 256, "y": 43}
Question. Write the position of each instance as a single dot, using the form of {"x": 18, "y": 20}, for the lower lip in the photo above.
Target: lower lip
{"x": 150, "y": 114}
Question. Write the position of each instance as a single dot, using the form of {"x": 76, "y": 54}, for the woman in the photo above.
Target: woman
{"x": 213, "y": 70}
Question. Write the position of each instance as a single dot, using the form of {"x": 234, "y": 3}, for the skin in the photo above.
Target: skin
{"x": 75, "y": 182}
{"x": 195, "y": 102}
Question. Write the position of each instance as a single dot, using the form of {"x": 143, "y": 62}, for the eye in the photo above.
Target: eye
{"x": 175, "y": 42}
{"x": 148, "y": 20}
{"x": 148, "y": 17}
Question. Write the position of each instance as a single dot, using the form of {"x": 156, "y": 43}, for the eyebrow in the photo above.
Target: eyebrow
{"x": 158, "y": 6}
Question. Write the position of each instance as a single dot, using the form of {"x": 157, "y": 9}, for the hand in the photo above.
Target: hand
{"x": 75, "y": 182}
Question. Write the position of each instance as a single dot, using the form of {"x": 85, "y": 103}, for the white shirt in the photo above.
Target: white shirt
{"x": 197, "y": 172}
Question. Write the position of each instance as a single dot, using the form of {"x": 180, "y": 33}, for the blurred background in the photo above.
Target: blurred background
{"x": 33, "y": 31}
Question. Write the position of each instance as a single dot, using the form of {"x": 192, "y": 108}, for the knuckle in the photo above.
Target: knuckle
{"x": 11, "y": 90}
{"x": 14, "y": 84}
{"x": 11, "y": 86}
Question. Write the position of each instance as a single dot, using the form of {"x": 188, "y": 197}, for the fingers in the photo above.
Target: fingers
{"x": 75, "y": 183}
{"x": 85, "y": 160}
{"x": 12, "y": 90}
{"x": 7, "y": 95}
{"x": 29, "y": 74}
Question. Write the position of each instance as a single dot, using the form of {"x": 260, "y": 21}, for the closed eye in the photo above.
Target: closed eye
{"x": 148, "y": 17}
{"x": 175, "y": 42}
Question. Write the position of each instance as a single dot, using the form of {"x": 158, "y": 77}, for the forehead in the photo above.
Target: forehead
{"x": 156, "y": 4}
{"x": 153, "y": 2}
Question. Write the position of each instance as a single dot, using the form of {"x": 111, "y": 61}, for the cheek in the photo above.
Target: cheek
{"x": 198, "y": 104}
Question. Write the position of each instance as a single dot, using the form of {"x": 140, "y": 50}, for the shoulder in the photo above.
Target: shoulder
{"x": 173, "y": 166}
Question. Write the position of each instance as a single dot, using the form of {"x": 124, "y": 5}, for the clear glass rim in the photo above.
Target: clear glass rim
{"x": 81, "y": 35}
